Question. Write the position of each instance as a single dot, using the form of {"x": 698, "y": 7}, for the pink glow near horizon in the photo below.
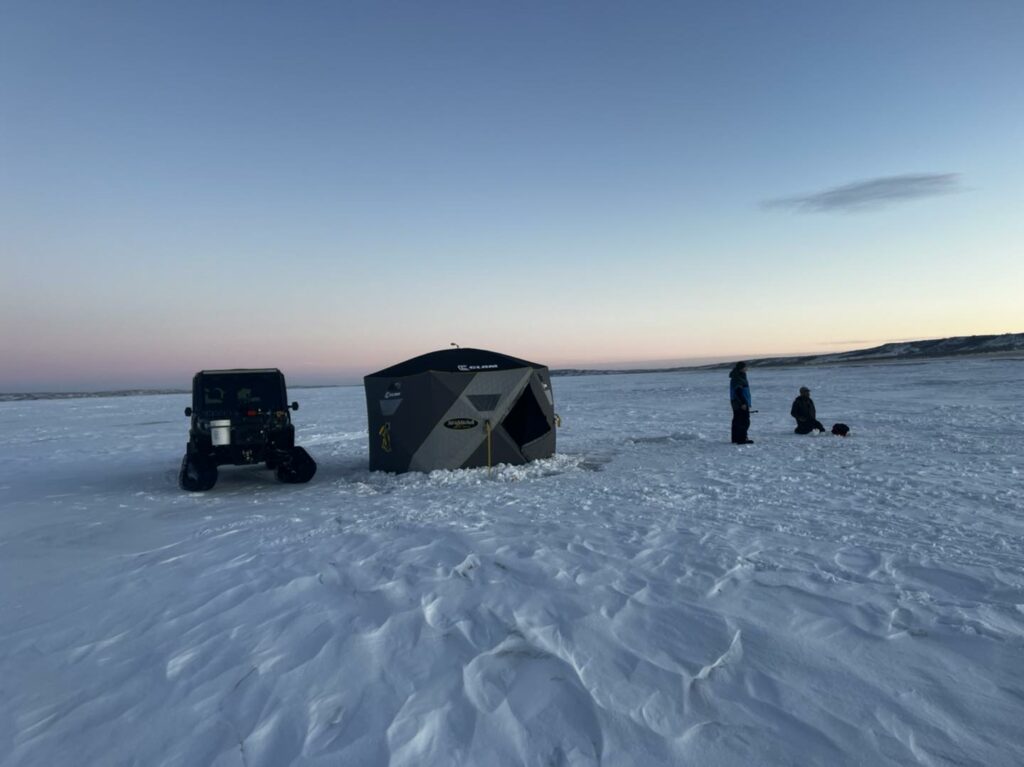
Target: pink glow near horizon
{"x": 82, "y": 367}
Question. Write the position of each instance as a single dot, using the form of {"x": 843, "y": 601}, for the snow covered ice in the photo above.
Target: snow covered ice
{"x": 652, "y": 595}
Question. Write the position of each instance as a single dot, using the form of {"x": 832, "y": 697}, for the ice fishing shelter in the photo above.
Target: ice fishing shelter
{"x": 459, "y": 409}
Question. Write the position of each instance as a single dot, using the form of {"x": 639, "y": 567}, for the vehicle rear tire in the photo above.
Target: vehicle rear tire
{"x": 299, "y": 468}
{"x": 196, "y": 476}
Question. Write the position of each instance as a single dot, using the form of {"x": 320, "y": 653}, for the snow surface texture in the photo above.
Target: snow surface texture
{"x": 652, "y": 595}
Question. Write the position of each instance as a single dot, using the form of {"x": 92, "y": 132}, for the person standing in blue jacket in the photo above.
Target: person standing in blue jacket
{"x": 739, "y": 398}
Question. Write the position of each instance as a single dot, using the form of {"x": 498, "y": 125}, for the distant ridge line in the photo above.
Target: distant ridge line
{"x": 24, "y": 396}
{"x": 27, "y": 396}
{"x": 955, "y": 346}
{"x": 897, "y": 351}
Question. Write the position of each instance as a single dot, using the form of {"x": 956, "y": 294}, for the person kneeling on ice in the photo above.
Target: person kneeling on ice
{"x": 739, "y": 398}
{"x": 804, "y": 413}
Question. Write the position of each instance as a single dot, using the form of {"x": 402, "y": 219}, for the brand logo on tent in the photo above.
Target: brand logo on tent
{"x": 461, "y": 423}
{"x": 467, "y": 368}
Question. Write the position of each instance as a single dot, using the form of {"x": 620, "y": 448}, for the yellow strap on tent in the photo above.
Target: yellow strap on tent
{"x": 385, "y": 437}
{"x": 487, "y": 428}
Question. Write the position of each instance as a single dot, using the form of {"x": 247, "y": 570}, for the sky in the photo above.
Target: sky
{"x": 330, "y": 188}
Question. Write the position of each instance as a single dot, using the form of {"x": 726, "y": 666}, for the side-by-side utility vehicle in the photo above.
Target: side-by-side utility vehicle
{"x": 241, "y": 417}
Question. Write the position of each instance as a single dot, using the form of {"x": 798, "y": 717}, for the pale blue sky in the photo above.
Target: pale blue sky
{"x": 332, "y": 187}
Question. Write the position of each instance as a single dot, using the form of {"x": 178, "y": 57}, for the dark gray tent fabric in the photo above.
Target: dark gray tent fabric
{"x": 435, "y": 412}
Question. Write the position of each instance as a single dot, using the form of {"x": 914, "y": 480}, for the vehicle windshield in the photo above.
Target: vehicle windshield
{"x": 231, "y": 392}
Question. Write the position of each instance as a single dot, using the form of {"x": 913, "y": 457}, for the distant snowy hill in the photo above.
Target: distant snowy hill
{"x": 958, "y": 346}
{"x": 25, "y": 396}
{"x": 907, "y": 350}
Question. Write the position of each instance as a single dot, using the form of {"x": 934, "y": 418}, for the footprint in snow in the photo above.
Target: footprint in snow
{"x": 858, "y": 560}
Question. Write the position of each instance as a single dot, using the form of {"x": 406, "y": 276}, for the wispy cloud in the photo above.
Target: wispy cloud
{"x": 871, "y": 194}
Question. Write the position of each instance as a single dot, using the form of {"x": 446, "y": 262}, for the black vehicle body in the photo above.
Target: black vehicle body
{"x": 241, "y": 417}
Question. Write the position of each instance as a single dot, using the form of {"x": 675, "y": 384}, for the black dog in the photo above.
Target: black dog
{"x": 840, "y": 429}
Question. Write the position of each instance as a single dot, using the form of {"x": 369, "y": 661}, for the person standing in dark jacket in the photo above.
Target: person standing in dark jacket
{"x": 804, "y": 413}
{"x": 739, "y": 398}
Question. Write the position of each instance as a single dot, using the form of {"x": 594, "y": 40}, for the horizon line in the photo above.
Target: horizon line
{"x": 354, "y": 379}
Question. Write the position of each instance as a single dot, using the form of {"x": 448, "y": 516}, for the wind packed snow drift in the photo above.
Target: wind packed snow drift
{"x": 650, "y": 595}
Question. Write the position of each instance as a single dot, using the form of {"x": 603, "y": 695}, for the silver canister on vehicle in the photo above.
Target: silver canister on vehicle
{"x": 220, "y": 432}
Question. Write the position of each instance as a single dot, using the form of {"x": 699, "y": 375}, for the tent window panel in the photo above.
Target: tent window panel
{"x": 485, "y": 403}
{"x": 526, "y": 422}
